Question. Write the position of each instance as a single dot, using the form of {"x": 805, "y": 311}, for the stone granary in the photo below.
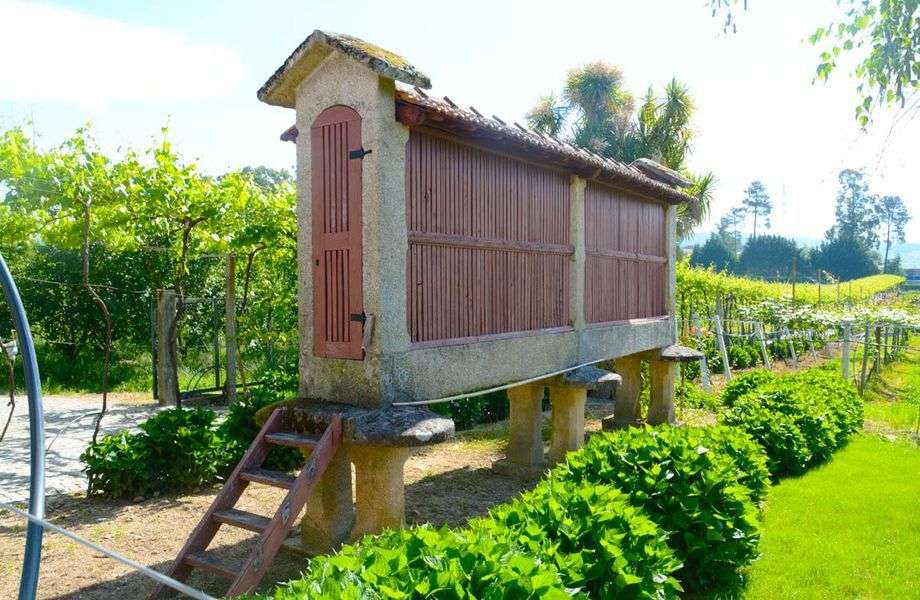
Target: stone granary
{"x": 443, "y": 251}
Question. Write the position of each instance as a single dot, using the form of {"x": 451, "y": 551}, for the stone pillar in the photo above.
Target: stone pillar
{"x": 661, "y": 392}
{"x": 627, "y": 410}
{"x": 568, "y": 420}
{"x": 330, "y": 512}
{"x": 525, "y": 448}
{"x": 380, "y": 500}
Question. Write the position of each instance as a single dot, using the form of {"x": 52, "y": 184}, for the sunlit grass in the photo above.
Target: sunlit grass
{"x": 850, "y": 529}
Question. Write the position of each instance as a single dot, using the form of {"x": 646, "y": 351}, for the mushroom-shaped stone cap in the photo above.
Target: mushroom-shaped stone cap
{"x": 387, "y": 426}
{"x": 677, "y": 353}
{"x": 589, "y": 378}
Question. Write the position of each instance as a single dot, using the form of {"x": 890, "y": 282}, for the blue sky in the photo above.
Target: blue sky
{"x": 132, "y": 67}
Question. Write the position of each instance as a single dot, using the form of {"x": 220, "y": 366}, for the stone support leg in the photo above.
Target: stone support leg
{"x": 568, "y": 420}
{"x": 661, "y": 396}
{"x": 329, "y": 513}
{"x": 627, "y": 410}
{"x": 380, "y": 501}
{"x": 525, "y": 447}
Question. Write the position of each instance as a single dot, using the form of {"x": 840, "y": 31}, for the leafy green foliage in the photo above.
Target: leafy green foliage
{"x": 714, "y": 253}
{"x": 423, "y": 562}
{"x": 469, "y": 412}
{"x": 699, "y": 484}
{"x": 598, "y": 541}
{"x": 180, "y": 450}
{"x": 771, "y": 256}
{"x": 175, "y": 450}
{"x": 800, "y": 420}
{"x": 744, "y": 383}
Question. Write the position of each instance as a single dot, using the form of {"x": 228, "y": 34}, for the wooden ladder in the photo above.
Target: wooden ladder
{"x": 272, "y": 532}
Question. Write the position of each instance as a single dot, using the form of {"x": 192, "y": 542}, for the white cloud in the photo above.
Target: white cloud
{"x": 54, "y": 54}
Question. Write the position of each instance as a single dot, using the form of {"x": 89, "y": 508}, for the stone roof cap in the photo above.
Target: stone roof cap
{"x": 279, "y": 89}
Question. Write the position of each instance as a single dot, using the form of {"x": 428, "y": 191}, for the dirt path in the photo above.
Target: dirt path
{"x": 68, "y": 430}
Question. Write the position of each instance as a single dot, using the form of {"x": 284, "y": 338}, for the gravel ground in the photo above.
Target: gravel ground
{"x": 68, "y": 430}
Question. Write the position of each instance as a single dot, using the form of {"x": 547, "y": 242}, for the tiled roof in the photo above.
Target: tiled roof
{"x": 414, "y": 107}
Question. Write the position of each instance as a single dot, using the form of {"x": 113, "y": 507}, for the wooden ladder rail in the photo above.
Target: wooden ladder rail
{"x": 272, "y": 531}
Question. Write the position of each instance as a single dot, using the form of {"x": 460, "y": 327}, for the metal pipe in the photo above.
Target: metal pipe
{"x": 28, "y": 584}
{"x": 497, "y": 388}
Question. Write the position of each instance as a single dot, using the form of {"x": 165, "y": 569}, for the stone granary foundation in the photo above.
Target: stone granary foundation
{"x": 441, "y": 251}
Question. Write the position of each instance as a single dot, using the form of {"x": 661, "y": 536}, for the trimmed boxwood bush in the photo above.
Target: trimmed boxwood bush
{"x": 689, "y": 481}
{"x": 424, "y": 562}
{"x": 800, "y": 420}
{"x": 597, "y": 540}
{"x": 744, "y": 383}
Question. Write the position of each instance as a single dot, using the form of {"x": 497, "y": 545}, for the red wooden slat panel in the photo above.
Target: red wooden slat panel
{"x": 626, "y": 262}
{"x": 489, "y": 242}
{"x": 336, "y": 236}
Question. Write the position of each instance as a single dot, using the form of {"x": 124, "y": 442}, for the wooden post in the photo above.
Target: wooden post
{"x": 885, "y": 346}
{"x": 793, "y": 279}
{"x": 720, "y": 341}
{"x": 758, "y": 328}
{"x": 865, "y": 359}
{"x": 166, "y": 369}
{"x": 704, "y": 366}
{"x": 153, "y": 344}
{"x": 230, "y": 327}
{"x": 811, "y": 345}
{"x": 795, "y": 357}
{"x": 845, "y": 353}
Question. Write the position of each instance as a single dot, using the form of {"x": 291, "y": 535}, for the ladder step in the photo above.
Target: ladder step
{"x": 269, "y": 477}
{"x": 203, "y": 560}
{"x": 242, "y": 519}
{"x": 294, "y": 440}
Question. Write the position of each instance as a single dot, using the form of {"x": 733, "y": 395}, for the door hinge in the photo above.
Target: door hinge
{"x": 358, "y": 317}
{"x": 359, "y": 153}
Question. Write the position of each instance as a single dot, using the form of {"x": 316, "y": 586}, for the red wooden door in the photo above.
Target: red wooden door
{"x": 338, "y": 298}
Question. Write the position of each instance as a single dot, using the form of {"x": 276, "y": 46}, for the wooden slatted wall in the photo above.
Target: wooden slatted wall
{"x": 489, "y": 242}
{"x": 626, "y": 262}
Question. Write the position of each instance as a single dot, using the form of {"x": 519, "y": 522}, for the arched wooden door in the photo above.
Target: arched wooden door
{"x": 338, "y": 297}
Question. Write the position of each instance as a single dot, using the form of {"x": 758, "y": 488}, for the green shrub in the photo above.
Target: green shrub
{"x": 240, "y": 428}
{"x": 175, "y": 450}
{"x": 116, "y": 465}
{"x": 800, "y": 420}
{"x": 744, "y": 383}
{"x": 469, "y": 412}
{"x": 597, "y": 540}
{"x": 423, "y": 562}
{"x": 689, "y": 482}
{"x": 690, "y": 395}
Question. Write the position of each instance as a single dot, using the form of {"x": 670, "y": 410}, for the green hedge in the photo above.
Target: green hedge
{"x": 640, "y": 513}
{"x": 700, "y": 485}
{"x": 800, "y": 419}
{"x": 179, "y": 450}
{"x": 594, "y": 536}
{"x": 176, "y": 449}
{"x": 744, "y": 383}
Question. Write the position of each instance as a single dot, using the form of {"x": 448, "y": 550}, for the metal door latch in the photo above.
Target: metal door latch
{"x": 359, "y": 153}
{"x": 358, "y": 317}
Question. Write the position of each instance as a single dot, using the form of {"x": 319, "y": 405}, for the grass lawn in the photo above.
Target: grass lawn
{"x": 893, "y": 400}
{"x": 848, "y": 529}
